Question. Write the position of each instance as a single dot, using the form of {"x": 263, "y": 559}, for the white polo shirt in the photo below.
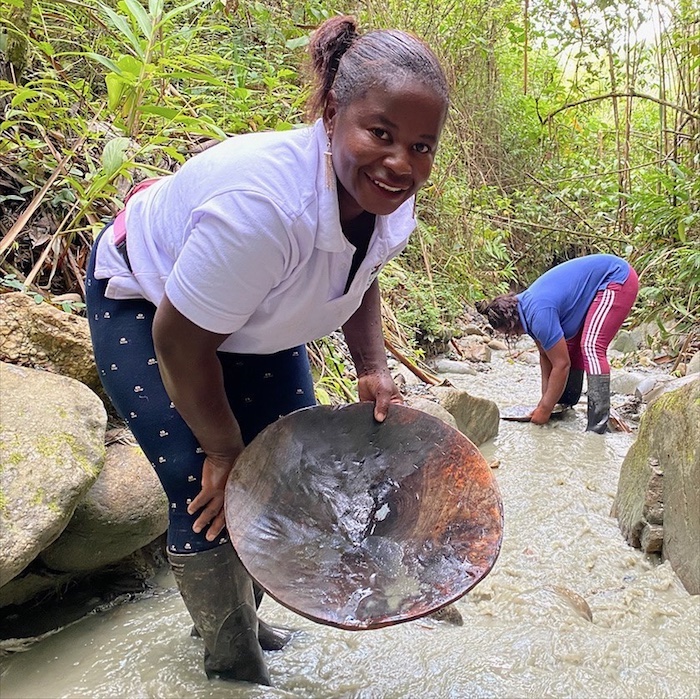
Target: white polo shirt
{"x": 245, "y": 239}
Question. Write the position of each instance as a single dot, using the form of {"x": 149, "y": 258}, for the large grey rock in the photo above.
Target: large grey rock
{"x": 42, "y": 336}
{"x": 432, "y": 408}
{"x": 659, "y": 483}
{"x": 52, "y": 431}
{"x": 477, "y": 418}
{"x": 124, "y": 510}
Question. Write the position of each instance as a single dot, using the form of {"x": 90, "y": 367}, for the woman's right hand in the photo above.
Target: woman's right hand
{"x": 210, "y": 499}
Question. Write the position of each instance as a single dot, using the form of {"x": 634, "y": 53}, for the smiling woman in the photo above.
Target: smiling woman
{"x": 203, "y": 293}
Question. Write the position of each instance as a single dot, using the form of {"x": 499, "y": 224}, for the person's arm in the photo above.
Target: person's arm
{"x": 193, "y": 378}
{"x": 363, "y": 333}
{"x": 545, "y": 367}
{"x": 558, "y": 358}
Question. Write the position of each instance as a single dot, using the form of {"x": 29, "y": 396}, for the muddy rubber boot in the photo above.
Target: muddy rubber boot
{"x": 572, "y": 390}
{"x": 598, "y": 403}
{"x": 270, "y": 637}
{"x": 218, "y": 593}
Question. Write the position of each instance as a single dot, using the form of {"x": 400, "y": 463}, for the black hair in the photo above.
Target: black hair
{"x": 502, "y": 313}
{"x": 350, "y": 63}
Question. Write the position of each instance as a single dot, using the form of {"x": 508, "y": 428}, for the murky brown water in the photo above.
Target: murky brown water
{"x": 527, "y": 633}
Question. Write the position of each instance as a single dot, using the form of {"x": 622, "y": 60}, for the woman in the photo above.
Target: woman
{"x": 253, "y": 248}
{"x": 572, "y": 312}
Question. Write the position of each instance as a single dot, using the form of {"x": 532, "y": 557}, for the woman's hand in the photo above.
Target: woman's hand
{"x": 540, "y": 416}
{"x": 380, "y": 388}
{"x": 210, "y": 499}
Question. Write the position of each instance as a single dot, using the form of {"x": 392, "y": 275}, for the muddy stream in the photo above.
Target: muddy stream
{"x": 569, "y": 610}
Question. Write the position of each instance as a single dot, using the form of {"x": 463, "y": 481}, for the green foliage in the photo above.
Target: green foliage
{"x": 534, "y": 165}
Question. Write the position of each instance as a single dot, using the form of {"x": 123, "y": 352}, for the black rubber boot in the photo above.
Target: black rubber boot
{"x": 598, "y": 403}
{"x": 573, "y": 388}
{"x": 218, "y": 593}
{"x": 270, "y": 637}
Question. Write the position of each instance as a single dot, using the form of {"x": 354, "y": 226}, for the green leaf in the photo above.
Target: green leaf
{"x": 23, "y": 95}
{"x": 122, "y": 25}
{"x": 107, "y": 62}
{"x": 114, "y": 155}
{"x": 115, "y": 90}
{"x": 139, "y": 13}
{"x": 155, "y": 8}
{"x": 46, "y": 47}
{"x": 179, "y": 10}
{"x": 166, "y": 112}
{"x": 297, "y": 43}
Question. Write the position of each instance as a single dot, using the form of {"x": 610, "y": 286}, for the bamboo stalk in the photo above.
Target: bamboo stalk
{"x": 424, "y": 376}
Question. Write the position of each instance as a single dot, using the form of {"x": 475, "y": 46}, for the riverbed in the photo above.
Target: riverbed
{"x": 569, "y": 609}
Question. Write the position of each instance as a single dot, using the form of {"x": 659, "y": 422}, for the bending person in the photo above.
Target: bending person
{"x": 572, "y": 312}
{"x": 255, "y": 247}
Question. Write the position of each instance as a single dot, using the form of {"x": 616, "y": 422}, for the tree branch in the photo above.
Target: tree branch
{"x": 631, "y": 93}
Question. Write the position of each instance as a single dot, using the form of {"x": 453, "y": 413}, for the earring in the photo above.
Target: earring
{"x": 328, "y": 157}
{"x": 415, "y": 201}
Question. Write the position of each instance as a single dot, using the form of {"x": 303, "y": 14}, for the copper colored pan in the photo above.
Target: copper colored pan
{"x": 361, "y": 525}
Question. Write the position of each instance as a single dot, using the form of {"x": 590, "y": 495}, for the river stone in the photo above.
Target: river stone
{"x": 693, "y": 366}
{"x": 477, "y": 418}
{"x": 124, "y": 510}
{"x": 625, "y": 382}
{"x": 432, "y": 408}
{"x": 52, "y": 431}
{"x": 42, "y": 336}
{"x": 668, "y": 443}
{"x": 624, "y": 342}
{"x": 449, "y": 366}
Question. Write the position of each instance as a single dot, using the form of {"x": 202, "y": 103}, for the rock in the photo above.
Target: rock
{"x": 472, "y": 329}
{"x": 408, "y": 378}
{"x": 693, "y": 366}
{"x": 432, "y": 408}
{"x": 449, "y": 614}
{"x": 52, "y": 431}
{"x": 449, "y": 366}
{"x": 624, "y": 342}
{"x": 42, "y": 336}
{"x": 497, "y": 345}
{"x": 124, "y": 510}
{"x": 660, "y": 482}
{"x": 655, "y": 386}
{"x": 625, "y": 382}
{"x": 652, "y": 538}
{"x": 477, "y": 418}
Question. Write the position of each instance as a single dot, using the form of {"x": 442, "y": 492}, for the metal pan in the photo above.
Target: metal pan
{"x": 521, "y": 413}
{"x": 358, "y": 524}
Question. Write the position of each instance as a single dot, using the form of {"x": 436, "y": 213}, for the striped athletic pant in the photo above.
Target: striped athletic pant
{"x": 588, "y": 348}
{"x": 260, "y": 389}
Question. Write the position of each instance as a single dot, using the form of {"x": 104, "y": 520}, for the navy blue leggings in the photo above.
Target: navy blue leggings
{"x": 260, "y": 389}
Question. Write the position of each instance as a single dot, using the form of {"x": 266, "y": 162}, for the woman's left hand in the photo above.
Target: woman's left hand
{"x": 380, "y": 388}
{"x": 210, "y": 499}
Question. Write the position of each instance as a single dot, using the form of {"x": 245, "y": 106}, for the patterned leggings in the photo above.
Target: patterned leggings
{"x": 260, "y": 389}
{"x": 588, "y": 348}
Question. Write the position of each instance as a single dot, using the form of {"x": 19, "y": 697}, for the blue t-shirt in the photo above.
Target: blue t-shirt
{"x": 555, "y": 304}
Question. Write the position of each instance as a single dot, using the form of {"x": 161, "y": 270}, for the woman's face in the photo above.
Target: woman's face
{"x": 383, "y": 145}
